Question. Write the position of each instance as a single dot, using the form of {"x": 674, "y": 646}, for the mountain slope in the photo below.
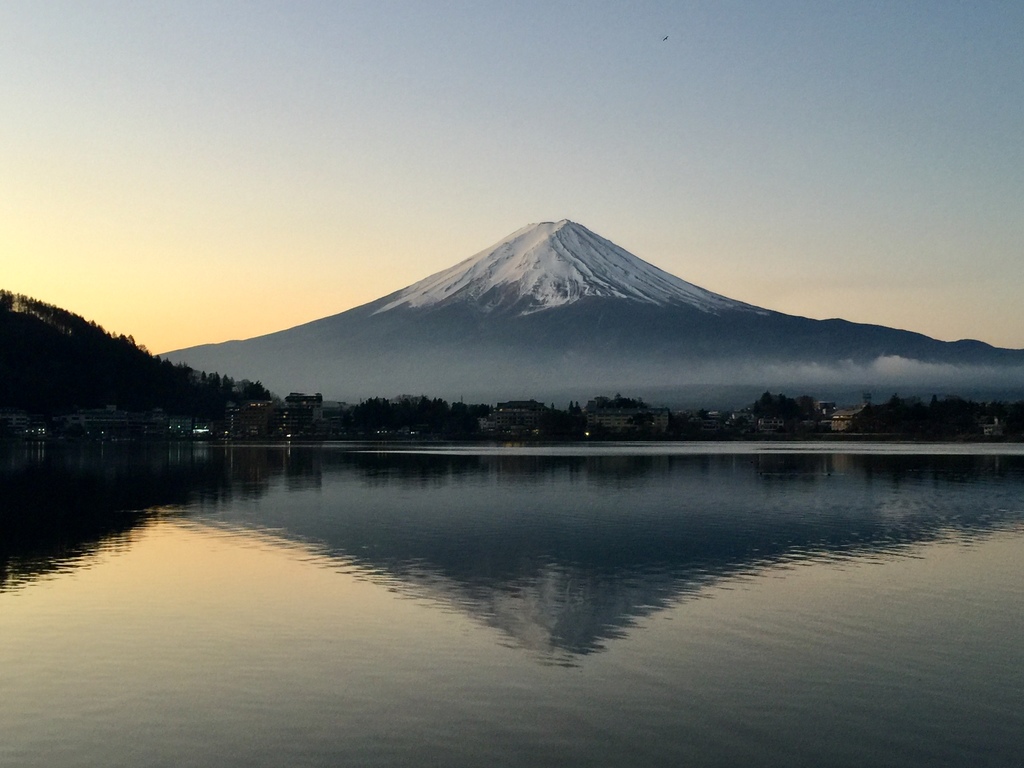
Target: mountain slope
{"x": 553, "y": 264}
{"x": 555, "y": 309}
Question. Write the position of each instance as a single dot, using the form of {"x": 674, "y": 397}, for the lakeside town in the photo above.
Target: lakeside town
{"x": 301, "y": 416}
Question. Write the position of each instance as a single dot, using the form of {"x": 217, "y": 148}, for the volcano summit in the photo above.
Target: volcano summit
{"x": 554, "y": 309}
{"x": 543, "y": 266}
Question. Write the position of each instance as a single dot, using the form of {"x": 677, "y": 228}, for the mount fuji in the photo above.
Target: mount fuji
{"x": 555, "y": 310}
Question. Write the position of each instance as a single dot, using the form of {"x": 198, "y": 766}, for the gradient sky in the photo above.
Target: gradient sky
{"x": 190, "y": 172}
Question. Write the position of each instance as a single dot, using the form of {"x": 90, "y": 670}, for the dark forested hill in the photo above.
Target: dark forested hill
{"x": 53, "y": 360}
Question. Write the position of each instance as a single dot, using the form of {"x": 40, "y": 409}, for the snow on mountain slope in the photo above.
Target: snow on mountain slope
{"x": 552, "y": 264}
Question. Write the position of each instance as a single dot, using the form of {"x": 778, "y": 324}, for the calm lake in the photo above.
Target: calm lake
{"x": 611, "y": 605}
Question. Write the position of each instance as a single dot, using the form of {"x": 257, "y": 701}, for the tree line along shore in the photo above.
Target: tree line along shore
{"x": 309, "y": 417}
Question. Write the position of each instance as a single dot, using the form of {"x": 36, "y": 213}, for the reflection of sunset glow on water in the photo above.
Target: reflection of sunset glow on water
{"x": 312, "y": 606}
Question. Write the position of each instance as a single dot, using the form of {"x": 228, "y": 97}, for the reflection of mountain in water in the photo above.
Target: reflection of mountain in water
{"x": 563, "y": 553}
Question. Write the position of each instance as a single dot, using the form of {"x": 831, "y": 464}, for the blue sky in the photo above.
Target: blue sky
{"x": 190, "y": 172}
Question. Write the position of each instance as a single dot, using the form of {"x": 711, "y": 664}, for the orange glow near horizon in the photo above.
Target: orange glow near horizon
{"x": 205, "y": 174}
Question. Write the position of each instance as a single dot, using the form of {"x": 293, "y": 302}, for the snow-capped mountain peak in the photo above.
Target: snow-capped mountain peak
{"x": 551, "y": 264}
